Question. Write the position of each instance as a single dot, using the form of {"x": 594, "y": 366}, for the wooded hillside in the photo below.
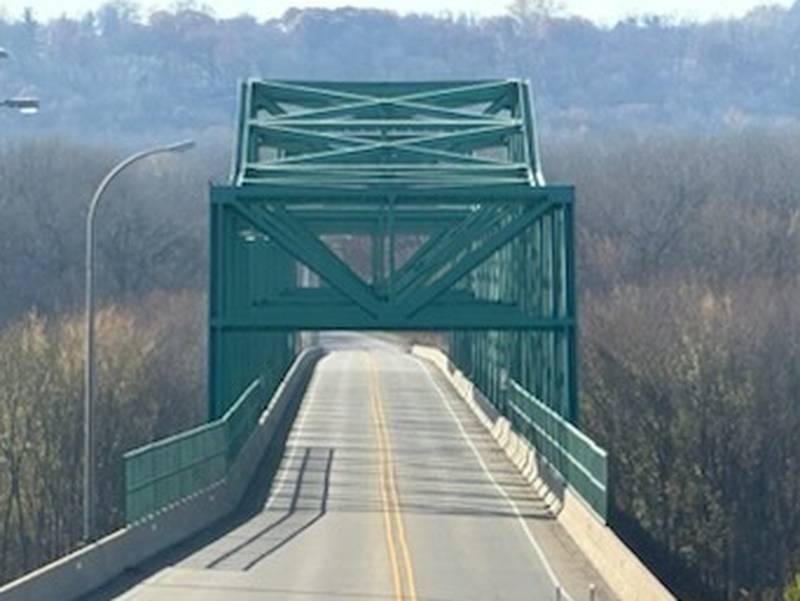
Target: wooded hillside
{"x": 121, "y": 72}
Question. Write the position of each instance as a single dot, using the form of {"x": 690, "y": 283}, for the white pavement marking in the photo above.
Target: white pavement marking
{"x": 520, "y": 519}
{"x": 305, "y": 410}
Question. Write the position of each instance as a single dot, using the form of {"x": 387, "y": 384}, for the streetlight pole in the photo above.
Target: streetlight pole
{"x": 88, "y": 380}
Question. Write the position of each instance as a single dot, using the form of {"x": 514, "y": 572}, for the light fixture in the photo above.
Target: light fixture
{"x": 248, "y": 235}
{"x": 24, "y": 105}
{"x": 251, "y": 236}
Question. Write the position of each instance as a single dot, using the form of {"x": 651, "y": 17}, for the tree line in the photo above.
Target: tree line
{"x": 120, "y": 71}
{"x": 690, "y": 275}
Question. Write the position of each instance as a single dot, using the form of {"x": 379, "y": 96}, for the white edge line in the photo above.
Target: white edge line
{"x": 500, "y": 489}
{"x": 306, "y": 409}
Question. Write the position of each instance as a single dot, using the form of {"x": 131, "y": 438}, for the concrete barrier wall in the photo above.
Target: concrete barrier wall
{"x": 93, "y": 566}
{"x": 629, "y": 578}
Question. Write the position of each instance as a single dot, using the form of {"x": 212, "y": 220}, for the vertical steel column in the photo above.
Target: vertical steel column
{"x": 572, "y": 312}
{"x": 390, "y": 226}
{"x": 216, "y": 301}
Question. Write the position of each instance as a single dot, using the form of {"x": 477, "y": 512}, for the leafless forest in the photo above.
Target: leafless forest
{"x": 689, "y": 252}
{"x": 690, "y": 256}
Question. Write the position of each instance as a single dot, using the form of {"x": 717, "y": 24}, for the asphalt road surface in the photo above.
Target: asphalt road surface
{"x": 389, "y": 489}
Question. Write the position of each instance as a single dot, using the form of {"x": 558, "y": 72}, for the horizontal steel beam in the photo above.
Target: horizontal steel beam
{"x": 444, "y": 196}
{"x": 452, "y": 316}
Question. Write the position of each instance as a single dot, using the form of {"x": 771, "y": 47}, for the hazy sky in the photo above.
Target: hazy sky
{"x": 599, "y": 10}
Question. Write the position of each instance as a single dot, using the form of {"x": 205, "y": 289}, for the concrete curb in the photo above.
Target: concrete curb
{"x": 628, "y": 578}
{"x": 89, "y": 568}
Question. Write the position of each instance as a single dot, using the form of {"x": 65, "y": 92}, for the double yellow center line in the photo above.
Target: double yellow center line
{"x": 399, "y": 556}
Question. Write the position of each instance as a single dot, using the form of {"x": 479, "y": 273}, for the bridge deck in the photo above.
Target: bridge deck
{"x": 389, "y": 489}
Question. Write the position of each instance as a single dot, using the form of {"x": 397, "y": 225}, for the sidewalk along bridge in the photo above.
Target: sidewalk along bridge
{"x": 402, "y": 206}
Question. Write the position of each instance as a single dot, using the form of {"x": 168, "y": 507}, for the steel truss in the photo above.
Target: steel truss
{"x": 405, "y": 205}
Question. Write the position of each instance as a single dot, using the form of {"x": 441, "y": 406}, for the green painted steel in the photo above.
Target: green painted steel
{"x": 536, "y": 273}
{"x": 574, "y": 456}
{"x": 172, "y": 469}
{"x": 249, "y": 267}
{"x": 164, "y": 472}
{"x": 394, "y": 205}
{"x": 386, "y": 205}
{"x": 439, "y": 189}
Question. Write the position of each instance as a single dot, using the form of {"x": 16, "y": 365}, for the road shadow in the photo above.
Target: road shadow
{"x": 287, "y": 516}
{"x": 252, "y": 503}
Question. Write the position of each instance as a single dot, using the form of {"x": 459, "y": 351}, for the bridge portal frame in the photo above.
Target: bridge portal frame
{"x": 448, "y": 170}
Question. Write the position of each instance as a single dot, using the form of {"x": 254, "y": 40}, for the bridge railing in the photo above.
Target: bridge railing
{"x": 575, "y": 456}
{"x": 169, "y": 470}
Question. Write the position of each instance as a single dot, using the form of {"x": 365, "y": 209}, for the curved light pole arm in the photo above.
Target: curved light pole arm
{"x": 88, "y": 374}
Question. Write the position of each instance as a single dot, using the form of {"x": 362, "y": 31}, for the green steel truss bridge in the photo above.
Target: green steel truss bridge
{"x": 352, "y": 207}
{"x": 394, "y": 206}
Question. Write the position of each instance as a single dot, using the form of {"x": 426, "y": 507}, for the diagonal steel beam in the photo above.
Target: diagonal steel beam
{"x": 306, "y": 237}
{"x": 449, "y": 248}
{"x": 415, "y": 300}
{"x": 504, "y": 101}
{"x": 434, "y": 144}
{"x": 306, "y": 249}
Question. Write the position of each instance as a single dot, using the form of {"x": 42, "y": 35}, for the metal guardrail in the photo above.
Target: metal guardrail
{"x": 164, "y": 472}
{"x": 575, "y": 456}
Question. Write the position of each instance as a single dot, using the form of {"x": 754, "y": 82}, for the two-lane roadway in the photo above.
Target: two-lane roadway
{"x": 389, "y": 489}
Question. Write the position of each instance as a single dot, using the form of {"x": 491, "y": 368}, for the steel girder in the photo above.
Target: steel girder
{"x": 435, "y": 187}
